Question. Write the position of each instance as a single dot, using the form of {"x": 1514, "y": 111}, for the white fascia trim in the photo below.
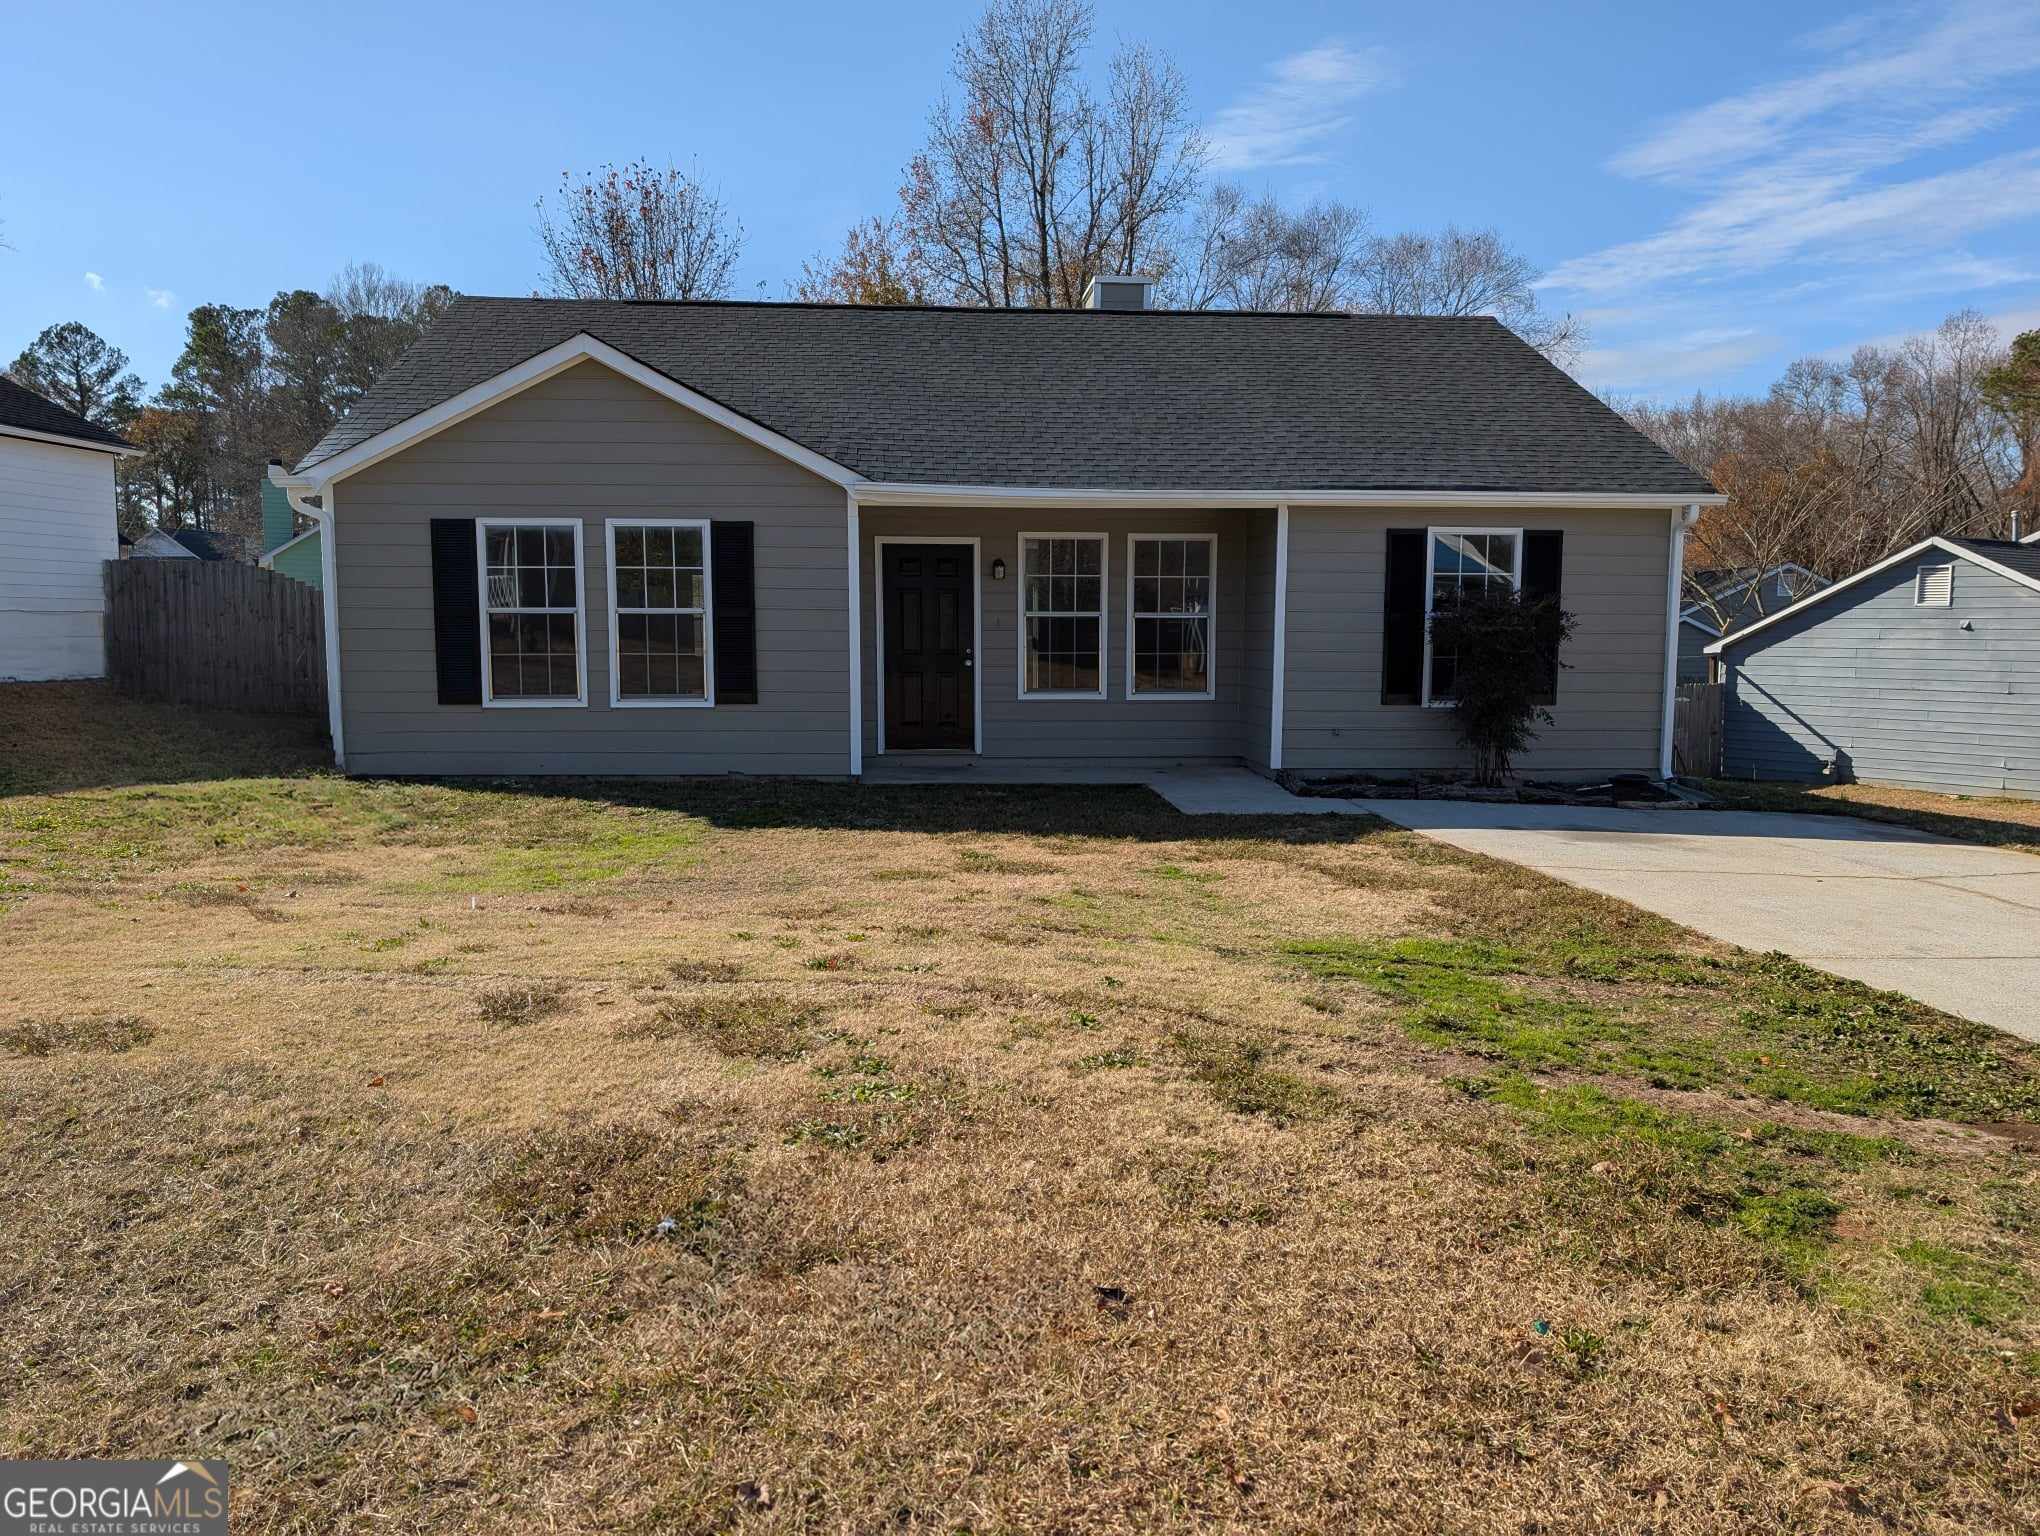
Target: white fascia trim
{"x": 1675, "y": 582}
{"x": 575, "y": 349}
{"x": 873, "y": 493}
{"x": 329, "y": 605}
{"x": 1691, "y": 616}
{"x": 2031, "y": 538}
{"x": 62, "y": 441}
{"x": 268, "y": 560}
{"x": 1949, "y": 546}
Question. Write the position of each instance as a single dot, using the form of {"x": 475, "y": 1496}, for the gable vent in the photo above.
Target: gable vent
{"x": 1934, "y": 586}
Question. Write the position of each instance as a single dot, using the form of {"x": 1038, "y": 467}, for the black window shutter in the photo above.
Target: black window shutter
{"x": 1543, "y": 560}
{"x": 456, "y": 610}
{"x": 1402, "y": 619}
{"x": 731, "y": 550}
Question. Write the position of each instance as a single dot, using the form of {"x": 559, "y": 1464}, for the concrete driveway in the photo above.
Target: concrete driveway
{"x": 1950, "y": 923}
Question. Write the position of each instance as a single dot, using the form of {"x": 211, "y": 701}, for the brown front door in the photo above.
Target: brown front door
{"x": 929, "y": 697}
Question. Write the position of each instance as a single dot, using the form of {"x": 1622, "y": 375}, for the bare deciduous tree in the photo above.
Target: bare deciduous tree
{"x": 638, "y": 233}
{"x": 1465, "y": 272}
{"x": 1842, "y": 464}
{"x": 1241, "y": 254}
{"x": 1029, "y": 183}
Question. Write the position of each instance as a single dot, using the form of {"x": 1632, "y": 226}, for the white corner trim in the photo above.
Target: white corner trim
{"x": 576, "y": 522}
{"x": 616, "y": 698}
{"x": 1675, "y": 584}
{"x": 1279, "y": 671}
{"x": 977, "y": 621}
{"x": 59, "y": 440}
{"x": 329, "y": 608}
{"x": 1020, "y": 689}
{"x": 1210, "y": 617}
{"x": 856, "y": 640}
{"x": 575, "y": 349}
{"x": 1936, "y": 542}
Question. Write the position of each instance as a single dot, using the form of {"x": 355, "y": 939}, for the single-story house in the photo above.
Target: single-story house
{"x": 1922, "y": 671}
{"x": 1720, "y": 602}
{"x": 284, "y": 548}
{"x": 56, "y": 528}
{"x": 568, "y": 536}
{"x": 181, "y": 544}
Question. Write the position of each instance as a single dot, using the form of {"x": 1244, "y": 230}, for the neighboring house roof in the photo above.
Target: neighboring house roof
{"x": 1082, "y": 399}
{"x": 24, "y": 413}
{"x": 2019, "y": 563}
{"x": 156, "y": 544}
{"x": 268, "y": 557}
{"x": 1716, "y": 586}
{"x": 203, "y": 543}
{"x": 2021, "y": 557}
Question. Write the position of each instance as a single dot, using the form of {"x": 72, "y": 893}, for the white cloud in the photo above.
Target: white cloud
{"x": 1808, "y": 168}
{"x": 94, "y": 281}
{"x": 1306, "y": 99}
{"x": 1975, "y": 45}
{"x": 160, "y": 297}
{"x": 1692, "y": 357}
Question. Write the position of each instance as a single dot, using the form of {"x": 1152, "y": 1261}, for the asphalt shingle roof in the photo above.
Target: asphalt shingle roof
{"x": 2023, "y": 558}
{"x": 1086, "y": 399}
{"x": 22, "y": 408}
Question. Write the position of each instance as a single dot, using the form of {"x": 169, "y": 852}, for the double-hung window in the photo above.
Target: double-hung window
{"x": 1464, "y": 560}
{"x": 1171, "y": 583}
{"x": 659, "y": 602}
{"x": 534, "y": 634}
{"x": 1062, "y": 615}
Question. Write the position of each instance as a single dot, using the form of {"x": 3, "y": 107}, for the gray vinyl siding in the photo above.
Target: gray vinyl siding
{"x": 591, "y": 444}
{"x": 1903, "y": 694}
{"x": 1230, "y": 726}
{"x": 1693, "y": 643}
{"x": 1610, "y": 710}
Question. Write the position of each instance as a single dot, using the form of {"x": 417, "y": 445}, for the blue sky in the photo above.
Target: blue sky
{"x": 1718, "y": 188}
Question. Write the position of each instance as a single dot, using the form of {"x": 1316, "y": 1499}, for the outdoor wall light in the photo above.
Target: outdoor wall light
{"x": 998, "y": 570}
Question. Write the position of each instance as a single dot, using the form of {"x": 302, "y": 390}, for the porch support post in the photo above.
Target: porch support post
{"x": 856, "y": 551}
{"x": 1675, "y": 577}
{"x": 1280, "y": 650}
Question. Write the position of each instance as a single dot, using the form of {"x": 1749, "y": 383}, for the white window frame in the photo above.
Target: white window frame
{"x": 616, "y": 698}
{"x": 1431, "y": 537}
{"x": 1920, "y": 575}
{"x": 1210, "y": 619}
{"x": 1104, "y": 543}
{"x": 489, "y": 699}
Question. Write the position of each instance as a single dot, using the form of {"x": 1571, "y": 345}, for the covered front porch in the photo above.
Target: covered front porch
{"x": 1073, "y": 645}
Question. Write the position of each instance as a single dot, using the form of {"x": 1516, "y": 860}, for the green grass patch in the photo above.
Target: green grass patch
{"x": 1966, "y": 1287}
{"x": 1779, "y": 1029}
{"x": 1704, "y": 1171}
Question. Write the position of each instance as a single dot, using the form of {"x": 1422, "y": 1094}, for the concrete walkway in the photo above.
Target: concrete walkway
{"x": 1953, "y": 924}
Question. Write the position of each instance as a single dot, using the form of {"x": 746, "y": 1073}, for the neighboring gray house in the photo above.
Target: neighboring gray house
{"x": 1923, "y": 671}
{"x": 1720, "y": 602}
{"x": 567, "y": 536}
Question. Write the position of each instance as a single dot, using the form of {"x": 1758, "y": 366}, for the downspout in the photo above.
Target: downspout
{"x": 329, "y": 598}
{"x": 1683, "y": 518}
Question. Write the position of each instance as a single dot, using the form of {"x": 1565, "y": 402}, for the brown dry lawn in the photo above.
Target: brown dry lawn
{"x": 765, "y": 1157}
{"x": 1999, "y": 821}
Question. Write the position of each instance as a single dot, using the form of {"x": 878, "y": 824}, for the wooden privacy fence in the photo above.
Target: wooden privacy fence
{"x": 1696, "y": 730}
{"x": 216, "y": 633}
